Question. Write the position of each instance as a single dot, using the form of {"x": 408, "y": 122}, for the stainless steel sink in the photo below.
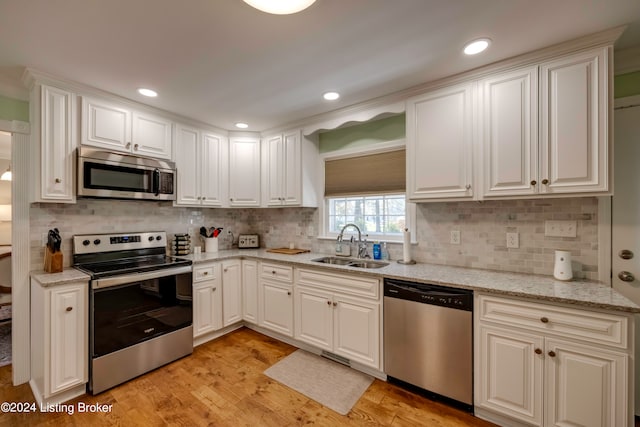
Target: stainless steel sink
{"x": 350, "y": 262}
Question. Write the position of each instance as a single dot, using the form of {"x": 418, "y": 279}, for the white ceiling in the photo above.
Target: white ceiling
{"x": 221, "y": 61}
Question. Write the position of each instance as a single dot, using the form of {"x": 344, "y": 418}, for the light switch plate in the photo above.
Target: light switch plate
{"x": 560, "y": 228}
{"x": 513, "y": 240}
{"x": 455, "y": 237}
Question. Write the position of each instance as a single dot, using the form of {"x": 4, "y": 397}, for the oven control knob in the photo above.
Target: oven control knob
{"x": 86, "y": 242}
{"x": 151, "y": 238}
{"x": 158, "y": 237}
{"x": 96, "y": 242}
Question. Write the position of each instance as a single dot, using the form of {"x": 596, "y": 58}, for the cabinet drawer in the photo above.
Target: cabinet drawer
{"x": 344, "y": 283}
{"x": 281, "y": 273}
{"x": 205, "y": 272}
{"x": 601, "y": 328}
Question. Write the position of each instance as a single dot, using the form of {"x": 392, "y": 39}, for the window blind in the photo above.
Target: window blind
{"x": 372, "y": 173}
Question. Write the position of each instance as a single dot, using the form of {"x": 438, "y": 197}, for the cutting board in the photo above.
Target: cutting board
{"x": 288, "y": 251}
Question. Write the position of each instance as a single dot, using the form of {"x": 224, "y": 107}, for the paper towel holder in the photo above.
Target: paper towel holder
{"x": 406, "y": 262}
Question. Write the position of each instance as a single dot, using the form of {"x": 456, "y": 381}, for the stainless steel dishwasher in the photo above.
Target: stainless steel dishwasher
{"x": 428, "y": 338}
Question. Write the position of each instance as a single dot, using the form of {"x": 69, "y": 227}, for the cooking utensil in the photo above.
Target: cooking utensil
{"x": 217, "y": 231}
{"x": 203, "y": 232}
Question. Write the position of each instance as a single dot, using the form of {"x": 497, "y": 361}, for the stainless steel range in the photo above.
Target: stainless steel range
{"x": 140, "y": 305}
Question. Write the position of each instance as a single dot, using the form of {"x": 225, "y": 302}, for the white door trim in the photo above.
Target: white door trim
{"x": 20, "y": 260}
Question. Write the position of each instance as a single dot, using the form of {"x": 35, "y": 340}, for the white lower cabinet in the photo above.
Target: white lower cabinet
{"x": 59, "y": 340}
{"x": 207, "y": 299}
{"x": 275, "y": 296}
{"x": 546, "y": 365}
{"x": 250, "y": 291}
{"x": 346, "y": 325}
{"x": 231, "y": 292}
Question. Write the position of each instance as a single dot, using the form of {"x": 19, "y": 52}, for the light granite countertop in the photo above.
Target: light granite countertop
{"x": 541, "y": 288}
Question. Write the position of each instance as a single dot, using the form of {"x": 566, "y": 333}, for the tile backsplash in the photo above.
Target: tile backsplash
{"x": 483, "y": 227}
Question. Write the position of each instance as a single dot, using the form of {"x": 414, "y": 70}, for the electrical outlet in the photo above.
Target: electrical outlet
{"x": 513, "y": 240}
{"x": 560, "y": 228}
{"x": 455, "y": 237}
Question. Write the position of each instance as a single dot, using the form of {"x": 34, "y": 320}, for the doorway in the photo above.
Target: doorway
{"x": 625, "y": 212}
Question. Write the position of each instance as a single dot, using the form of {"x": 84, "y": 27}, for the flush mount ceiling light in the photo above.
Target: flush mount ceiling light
{"x": 476, "y": 46}
{"x": 241, "y": 125}
{"x": 280, "y": 7}
{"x": 331, "y": 96}
{"x": 6, "y": 176}
{"x": 147, "y": 92}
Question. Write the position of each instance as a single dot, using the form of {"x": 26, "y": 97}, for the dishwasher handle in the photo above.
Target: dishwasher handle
{"x": 461, "y": 299}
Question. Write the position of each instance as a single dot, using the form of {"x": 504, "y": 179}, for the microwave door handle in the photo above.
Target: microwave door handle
{"x": 156, "y": 182}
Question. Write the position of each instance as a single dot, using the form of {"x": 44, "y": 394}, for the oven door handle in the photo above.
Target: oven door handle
{"x": 137, "y": 277}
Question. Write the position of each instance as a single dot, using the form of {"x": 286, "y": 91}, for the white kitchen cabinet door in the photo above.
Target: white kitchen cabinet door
{"x": 292, "y": 179}
{"x": 57, "y": 145}
{"x": 105, "y": 125}
{"x": 274, "y": 170}
{"x": 244, "y": 172}
{"x": 68, "y": 337}
{"x": 510, "y": 133}
{"x": 314, "y": 317}
{"x": 276, "y": 308}
{"x": 510, "y": 373}
{"x": 356, "y": 333}
{"x": 151, "y": 135}
{"x": 586, "y": 386}
{"x": 439, "y": 144}
{"x": 574, "y": 134}
{"x": 187, "y": 158}
{"x": 212, "y": 182}
{"x": 207, "y": 307}
{"x": 250, "y": 291}
{"x": 231, "y": 292}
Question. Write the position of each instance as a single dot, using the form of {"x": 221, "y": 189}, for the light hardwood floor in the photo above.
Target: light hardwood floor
{"x": 222, "y": 384}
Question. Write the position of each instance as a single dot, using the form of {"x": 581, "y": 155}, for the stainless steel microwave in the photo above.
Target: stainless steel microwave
{"x": 121, "y": 176}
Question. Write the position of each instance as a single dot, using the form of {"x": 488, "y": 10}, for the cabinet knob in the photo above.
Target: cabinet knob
{"x": 206, "y": 273}
{"x": 199, "y": 197}
{"x": 329, "y": 303}
{"x": 552, "y": 353}
{"x": 544, "y": 320}
{"x": 224, "y": 269}
{"x": 231, "y": 199}
{"x": 204, "y": 198}
{"x": 545, "y": 181}
{"x": 58, "y": 180}
{"x": 625, "y": 276}
{"x": 273, "y": 272}
{"x": 213, "y": 289}
{"x": 135, "y": 147}
{"x": 335, "y": 304}
{"x": 537, "y": 351}
{"x": 69, "y": 308}
{"x": 288, "y": 292}
{"x": 625, "y": 254}
{"x": 468, "y": 187}
{"x": 534, "y": 182}
{"x": 128, "y": 145}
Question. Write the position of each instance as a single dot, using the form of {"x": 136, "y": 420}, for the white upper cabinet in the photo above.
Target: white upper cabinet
{"x": 510, "y": 137}
{"x": 439, "y": 144}
{"x": 282, "y": 165}
{"x": 57, "y": 144}
{"x": 200, "y": 158}
{"x": 244, "y": 171}
{"x": 113, "y": 127}
{"x": 574, "y": 134}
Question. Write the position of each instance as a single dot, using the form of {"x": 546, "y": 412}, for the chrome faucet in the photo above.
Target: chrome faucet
{"x": 362, "y": 245}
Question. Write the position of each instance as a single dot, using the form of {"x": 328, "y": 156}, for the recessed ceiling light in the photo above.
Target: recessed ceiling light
{"x": 331, "y": 96}
{"x": 147, "y": 92}
{"x": 241, "y": 125}
{"x": 280, "y": 7}
{"x": 476, "y": 46}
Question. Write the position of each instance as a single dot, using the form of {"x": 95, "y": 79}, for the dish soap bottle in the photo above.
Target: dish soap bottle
{"x": 376, "y": 250}
{"x": 385, "y": 252}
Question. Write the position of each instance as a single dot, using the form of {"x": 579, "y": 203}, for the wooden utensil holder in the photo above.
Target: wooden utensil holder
{"x": 52, "y": 261}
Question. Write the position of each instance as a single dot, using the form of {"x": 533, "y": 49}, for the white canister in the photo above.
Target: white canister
{"x": 562, "y": 267}
{"x": 211, "y": 244}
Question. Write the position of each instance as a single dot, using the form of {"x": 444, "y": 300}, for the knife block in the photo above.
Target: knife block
{"x": 52, "y": 261}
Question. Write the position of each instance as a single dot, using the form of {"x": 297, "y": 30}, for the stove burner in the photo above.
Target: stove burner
{"x": 131, "y": 265}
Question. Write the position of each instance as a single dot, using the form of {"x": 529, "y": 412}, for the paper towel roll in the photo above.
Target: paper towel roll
{"x": 406, "y": 246}
{"x": 562, "y": 268}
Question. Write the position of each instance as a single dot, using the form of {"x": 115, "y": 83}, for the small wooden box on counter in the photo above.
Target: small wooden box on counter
{"x": 52, "y": 261}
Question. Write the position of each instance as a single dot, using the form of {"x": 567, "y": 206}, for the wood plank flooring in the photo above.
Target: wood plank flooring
{"x": 222, "y": 384}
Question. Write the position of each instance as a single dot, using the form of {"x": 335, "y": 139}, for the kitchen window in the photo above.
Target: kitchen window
{"x": 366, "y": 188}
{"x": 381, "y": 217}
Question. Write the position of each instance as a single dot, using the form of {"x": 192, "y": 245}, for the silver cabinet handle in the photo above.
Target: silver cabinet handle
{"x": 128, "y": 145}
{"x": 135, "y": 147}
